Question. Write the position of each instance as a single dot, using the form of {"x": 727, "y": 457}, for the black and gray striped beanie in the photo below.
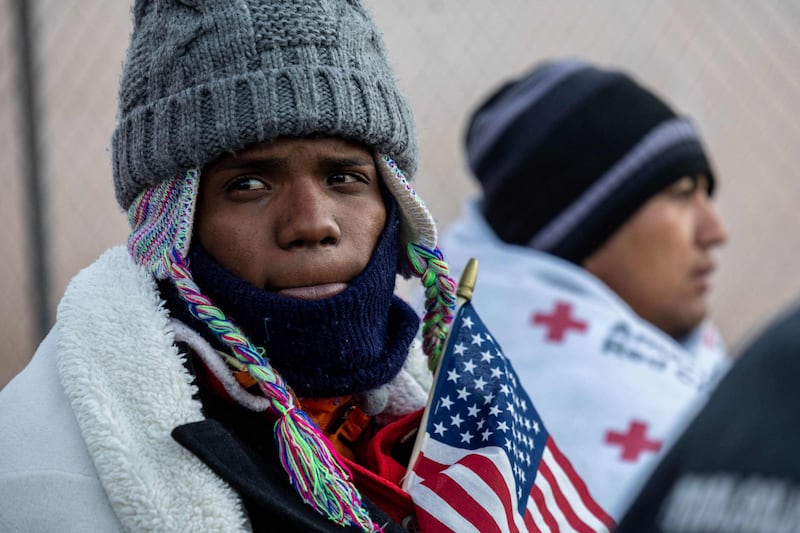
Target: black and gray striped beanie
{"x": 207, "y": 77}
{"x": 568, "y": 152}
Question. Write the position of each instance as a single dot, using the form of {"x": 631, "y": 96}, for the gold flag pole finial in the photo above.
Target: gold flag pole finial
{"x": 466, "y": 284}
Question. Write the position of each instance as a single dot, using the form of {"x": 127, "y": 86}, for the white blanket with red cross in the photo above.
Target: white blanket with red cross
{"x": 613, "y": 390}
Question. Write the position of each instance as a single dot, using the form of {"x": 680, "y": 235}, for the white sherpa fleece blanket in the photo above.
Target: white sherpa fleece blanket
{"x": 129, "y": 389}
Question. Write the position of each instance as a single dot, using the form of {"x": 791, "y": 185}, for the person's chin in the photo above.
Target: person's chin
{"x": 696, "y": 315}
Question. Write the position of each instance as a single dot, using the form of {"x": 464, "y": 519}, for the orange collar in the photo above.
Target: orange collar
{"x": 342, "y": 422}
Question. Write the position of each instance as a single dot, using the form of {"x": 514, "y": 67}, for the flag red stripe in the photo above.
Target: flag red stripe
{"x": 530, "y": 525}
{"x": 466, "y": 506}
{"x": 428, "y": 522}
{"x": 538, "y": 498}
{"x": 580, "y": 485}
{"x": 425, "y": 466}
{"x": 562, "y": 502}
{"x": 486, "y": 469}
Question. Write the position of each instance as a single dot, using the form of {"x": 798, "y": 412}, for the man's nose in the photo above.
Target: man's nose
{"x": 711, "y": 230}
{"x": 306, "y": 217}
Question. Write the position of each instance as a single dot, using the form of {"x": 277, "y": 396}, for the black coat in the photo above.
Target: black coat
{"x": 260, "y": 480}
{"x": 238, "y": 445}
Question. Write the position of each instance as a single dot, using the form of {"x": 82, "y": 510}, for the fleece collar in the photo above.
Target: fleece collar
{"x": 128, "y": 389}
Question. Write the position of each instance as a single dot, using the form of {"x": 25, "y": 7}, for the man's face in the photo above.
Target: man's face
{"x": 300, "y": 217}
{"x": 659, "y": 261}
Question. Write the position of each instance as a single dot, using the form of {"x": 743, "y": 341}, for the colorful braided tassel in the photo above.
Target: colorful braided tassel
{"x": 440, "y": 298}
{"x": 306, "y": 454}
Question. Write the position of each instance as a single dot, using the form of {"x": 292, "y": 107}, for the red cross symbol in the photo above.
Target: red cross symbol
{"x": 559, "y": 322}
{"x": 633, "y": 442}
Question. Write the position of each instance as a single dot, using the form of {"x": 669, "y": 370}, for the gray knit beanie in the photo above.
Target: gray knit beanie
{"x": 207, "y": 77}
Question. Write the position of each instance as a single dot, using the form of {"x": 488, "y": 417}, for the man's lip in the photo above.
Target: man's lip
{"x": 705, "y": 270}
{"x": 314, "y": 292}
{"x": 702, "y": 275}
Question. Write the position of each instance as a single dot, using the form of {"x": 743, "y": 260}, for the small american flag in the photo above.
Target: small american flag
{"x": 485, "y": 461}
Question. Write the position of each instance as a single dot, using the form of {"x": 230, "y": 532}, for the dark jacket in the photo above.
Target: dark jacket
{"x": 736, "y": 467}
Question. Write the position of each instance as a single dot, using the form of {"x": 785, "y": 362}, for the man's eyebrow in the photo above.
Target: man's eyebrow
{"x": 260, "y": 163}
{"x": 348, "y": 161}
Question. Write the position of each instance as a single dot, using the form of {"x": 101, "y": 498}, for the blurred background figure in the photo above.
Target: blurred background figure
{"x": 595, "y": 233}
{"x": 735, "y": 468}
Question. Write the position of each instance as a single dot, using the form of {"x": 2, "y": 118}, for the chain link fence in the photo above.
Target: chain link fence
{"x": 732, "y": 65}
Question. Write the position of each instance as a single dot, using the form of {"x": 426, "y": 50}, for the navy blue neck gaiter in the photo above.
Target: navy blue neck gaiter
{"x": 352, "y": 342}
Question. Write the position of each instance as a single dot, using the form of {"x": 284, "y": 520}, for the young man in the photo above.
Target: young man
{"x": 244, "y": 363}
{"x": 594, "y": 234}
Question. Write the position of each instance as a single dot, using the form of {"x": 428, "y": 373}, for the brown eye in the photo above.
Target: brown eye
{"x": 247, "y": 184}
{"x": 344, "y": 177}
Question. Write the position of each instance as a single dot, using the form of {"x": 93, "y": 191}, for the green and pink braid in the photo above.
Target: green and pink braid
{"x": 425, "y": 261}
{"x": 161, "y": 219}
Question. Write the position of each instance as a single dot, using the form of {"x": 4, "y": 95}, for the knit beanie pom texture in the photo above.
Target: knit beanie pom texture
{"x": 568, "y": 152}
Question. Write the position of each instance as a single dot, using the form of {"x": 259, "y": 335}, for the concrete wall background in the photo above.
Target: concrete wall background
{"x": 732, "y": 65}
